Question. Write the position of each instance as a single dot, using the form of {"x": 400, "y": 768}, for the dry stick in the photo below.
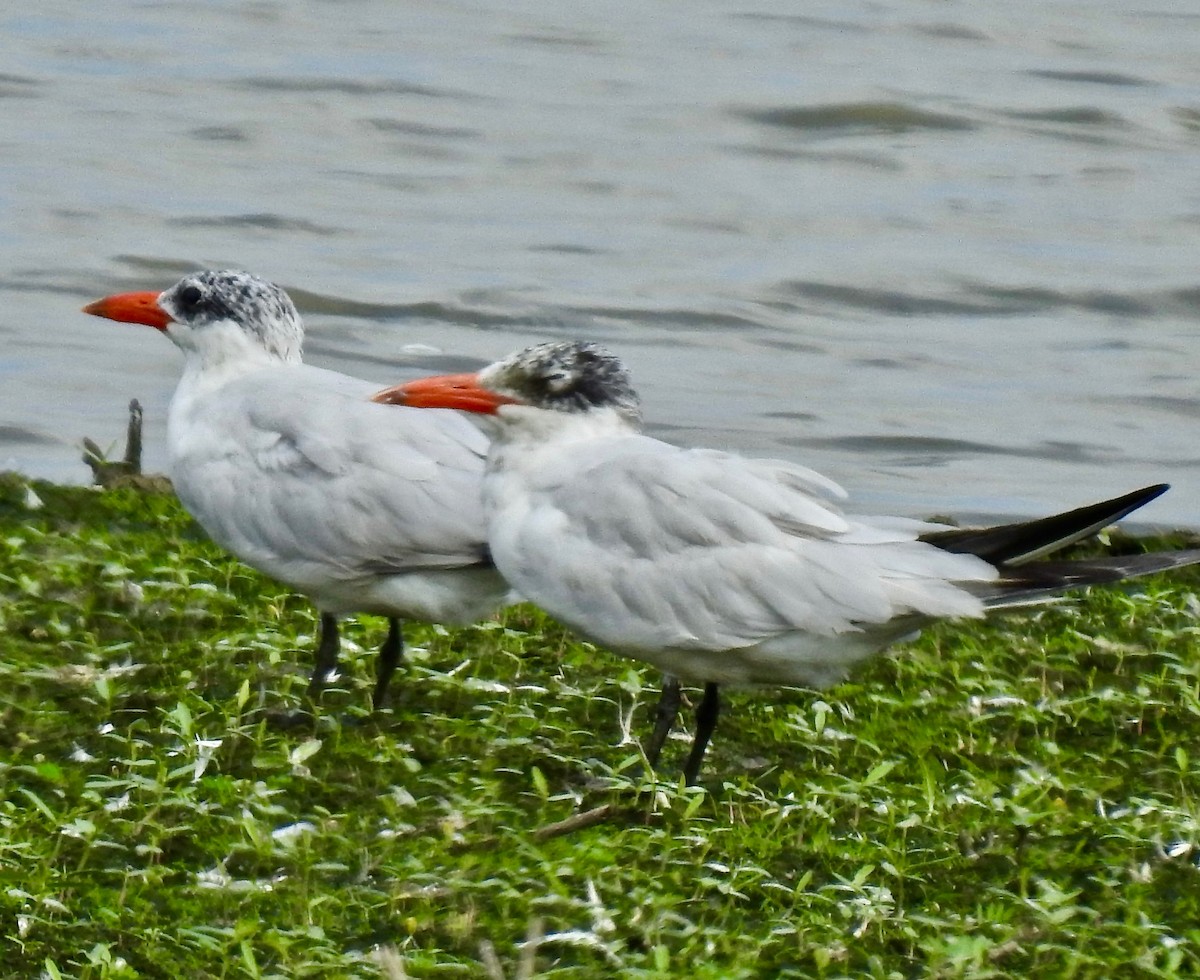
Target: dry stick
{"x": 576, "y": 822}
{"x": 527, "y": 965}
{"x": 105, "y": 471}
{"x": 133, "y": 438}
{"x": 491, "y": 962}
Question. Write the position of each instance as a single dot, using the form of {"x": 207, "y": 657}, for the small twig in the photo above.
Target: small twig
{"x": 94, "y": 456}
{"x": 577, "y": 821}
{"x": 491, "y": 962}
{"x": 527, "y": 964}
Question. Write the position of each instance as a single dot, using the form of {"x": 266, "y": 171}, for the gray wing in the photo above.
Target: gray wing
{"x": 646, "y": 546}
{"x": 294, "y": 471}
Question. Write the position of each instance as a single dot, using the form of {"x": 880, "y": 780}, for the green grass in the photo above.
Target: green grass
{"x": 1011, "y": 798}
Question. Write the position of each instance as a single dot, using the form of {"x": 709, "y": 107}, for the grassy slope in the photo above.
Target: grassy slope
{"x": 1011, "y": 798}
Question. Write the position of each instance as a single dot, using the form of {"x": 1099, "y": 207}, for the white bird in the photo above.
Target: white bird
{"x": 299, "y": 474}
{"x": 716, "y": 568}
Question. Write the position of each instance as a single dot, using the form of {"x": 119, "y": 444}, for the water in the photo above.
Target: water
{"x": 944, "y": 252}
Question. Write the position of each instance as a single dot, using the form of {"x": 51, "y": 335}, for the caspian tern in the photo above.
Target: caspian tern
{"x": 716, "y": 568}
{"x": 299, "y": 474}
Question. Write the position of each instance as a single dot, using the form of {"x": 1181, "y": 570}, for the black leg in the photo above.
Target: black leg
{"x": 664, "y": 718}
{"x": 390, "y": 654}
{"x": 327, "y": 655}
{"x": 706, "y": 723}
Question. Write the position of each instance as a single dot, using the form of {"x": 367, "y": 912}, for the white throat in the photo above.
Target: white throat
{"x": 226, "y": 348}
{"x": 523, "y": 425}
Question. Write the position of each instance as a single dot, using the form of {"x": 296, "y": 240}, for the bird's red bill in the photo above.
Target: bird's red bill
{"x": 131, "y": 308}
{"x": 461, "y": 391}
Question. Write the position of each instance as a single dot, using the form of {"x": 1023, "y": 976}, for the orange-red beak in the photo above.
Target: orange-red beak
{"x": 131, "y": 308}
{"x": 461, "y": 391}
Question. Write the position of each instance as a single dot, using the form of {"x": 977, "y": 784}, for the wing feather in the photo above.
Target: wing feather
{"x": 645, "y": 546}
{"x": 294, "y": 468}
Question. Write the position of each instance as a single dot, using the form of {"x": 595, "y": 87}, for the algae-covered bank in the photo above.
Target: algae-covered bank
{"x": 1010, "y": 798}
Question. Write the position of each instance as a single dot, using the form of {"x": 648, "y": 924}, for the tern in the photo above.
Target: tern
{"x": 298, "y": 473}
{"x": 717, "y": 568}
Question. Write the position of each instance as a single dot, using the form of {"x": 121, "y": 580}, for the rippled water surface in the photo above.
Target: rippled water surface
{"x": 946, "y": 253}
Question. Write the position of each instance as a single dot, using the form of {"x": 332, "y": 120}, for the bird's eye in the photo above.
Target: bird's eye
{"x": 189, "y": 296}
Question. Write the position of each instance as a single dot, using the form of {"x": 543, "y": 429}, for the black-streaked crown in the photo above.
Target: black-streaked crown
{"x": 575, "y": 376}
{"x": 259, "y": 307}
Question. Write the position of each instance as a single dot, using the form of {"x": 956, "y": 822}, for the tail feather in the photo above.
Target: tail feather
{"x": 1028, "y": 584}
{"x": 1026, "y": 541}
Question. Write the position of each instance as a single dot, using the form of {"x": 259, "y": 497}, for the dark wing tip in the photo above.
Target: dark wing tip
{"x": 1028, "y": 540}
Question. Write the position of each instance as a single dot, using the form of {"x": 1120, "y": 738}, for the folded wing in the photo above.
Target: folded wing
{"x": 294, "y": 469}
{"x": 646, "y": 546}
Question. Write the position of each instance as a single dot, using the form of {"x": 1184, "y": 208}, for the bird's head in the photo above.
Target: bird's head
{"x": 571, "y": 378}
{"x": 216, "y": 314}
